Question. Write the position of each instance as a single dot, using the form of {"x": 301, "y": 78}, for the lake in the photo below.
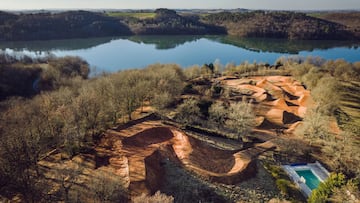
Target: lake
{"x": 117, "y": 53}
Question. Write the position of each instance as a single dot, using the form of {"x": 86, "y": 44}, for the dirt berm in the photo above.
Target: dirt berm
{"x": 146, "y": 144}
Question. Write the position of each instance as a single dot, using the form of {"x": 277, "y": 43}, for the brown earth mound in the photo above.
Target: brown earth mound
{"x": 149, "y": 136}
{"x": 280, "y": 100}
{"x": 137, "y": 152}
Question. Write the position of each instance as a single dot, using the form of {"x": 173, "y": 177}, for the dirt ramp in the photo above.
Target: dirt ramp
{"x": 266, "y": 124}
{"x": 210, "y": 158}
{"x": 154, "y": 171}
{"x": 149, "y": 136}
{"x": 289, "y": 118}
{"x": 280, "y": 100}
{"x": 138, "y": 152}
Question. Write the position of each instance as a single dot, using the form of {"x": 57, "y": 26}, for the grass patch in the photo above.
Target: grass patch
{"x": 315, "y": 15}
{"x": 283, "y": 183}
{"x": 144, "y": 15}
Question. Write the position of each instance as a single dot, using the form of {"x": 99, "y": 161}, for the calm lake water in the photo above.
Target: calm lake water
{"x": 117, "y": 53}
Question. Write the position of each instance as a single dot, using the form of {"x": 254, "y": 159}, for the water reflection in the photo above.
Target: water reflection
{"x": 117, "y": 53}
{"x": 283, "y": 45}
{"x": 170, "y": 42}
{"x": 55, "y": 45}
{"x": 166, "y": 41}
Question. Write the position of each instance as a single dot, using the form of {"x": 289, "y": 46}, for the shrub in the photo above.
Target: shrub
{"x": 347, "y": 193}
{"x": 325, "y": 189}
{"x": 156, "y": 198}
{"x": 284, "y": 186}
{"x": 188, "y": 112}
{"x": 241, "y": 118}
{"x": 218, "y": 114}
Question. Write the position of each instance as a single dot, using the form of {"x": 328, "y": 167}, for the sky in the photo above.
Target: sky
{"x": 181, "y": 4}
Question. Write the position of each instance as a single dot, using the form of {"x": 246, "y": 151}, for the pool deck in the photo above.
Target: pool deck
{"x": 316, "y": 168}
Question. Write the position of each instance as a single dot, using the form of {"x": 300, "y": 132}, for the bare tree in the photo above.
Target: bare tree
{"x": 241, "y": 118}
{"x": 156, "y": 198}
{"x": 188, "y": 112}
{"x": 218, "y": 114}
{"x": 108, "y": 188}
{"x": 68, "y": 178}
{"x": 314, "y": 126}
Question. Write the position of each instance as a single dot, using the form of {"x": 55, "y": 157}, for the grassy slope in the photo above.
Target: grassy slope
{"x": 139, "y": 15}
{"x": 351, "y": 19}
{"x": 350, "y": 105}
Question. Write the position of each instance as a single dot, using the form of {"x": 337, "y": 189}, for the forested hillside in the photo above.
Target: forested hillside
{"x": 80, "y": 24}
{"x": 72, "y": 24}
{"x": 169, "y": 22}
{"x": 289, "y": 25}
{"x": 351, "y": 20}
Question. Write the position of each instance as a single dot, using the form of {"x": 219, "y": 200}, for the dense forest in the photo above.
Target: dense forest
{"x": 76, "y": 24}
{"x": 71, "y": 24}
{"x": 289, "y": 25}
{"x": 351, "y": 19}
{"x": 169, "y": 22}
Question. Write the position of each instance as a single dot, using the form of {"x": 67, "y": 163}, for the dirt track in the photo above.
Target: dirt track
{"x": 279, "y": 101}
{"x": 146, "y": 144}
{"x": 136, "y": 151}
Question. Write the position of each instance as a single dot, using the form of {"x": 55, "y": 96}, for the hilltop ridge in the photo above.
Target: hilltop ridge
{"x": 83, "y": 24}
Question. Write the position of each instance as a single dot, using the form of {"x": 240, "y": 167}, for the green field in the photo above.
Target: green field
{"x": 138, "y": 15}
{"x": 315, "y": 15}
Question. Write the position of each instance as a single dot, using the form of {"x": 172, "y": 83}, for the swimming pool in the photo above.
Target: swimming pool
{"x": 307, "y": 176}
{"x": 310, "y": 179}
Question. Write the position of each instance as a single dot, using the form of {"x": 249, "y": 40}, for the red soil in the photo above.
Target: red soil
{"x": 280, "y": 101}
{"x": 137, "y": 152}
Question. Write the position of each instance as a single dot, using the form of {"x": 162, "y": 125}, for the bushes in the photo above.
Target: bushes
{"x": 314, "y": 127}
{"x": 17, "y": 80}
{"x": 325, "y": 189}
{"x": 286, "y": 187}
{"x": 71, "y": 66}
{"x": 108, "y": 188}
{"x": 188, "y": 112}
{"x": 236, "y": 120}
{"x": 241, "y": 118}
{"x": 72, "y": 116}
{"x": 350, "y": 192}
{"x": 156, "y": 198}
{"x": 218, "y": 114}
{"x": 283, "y": 185}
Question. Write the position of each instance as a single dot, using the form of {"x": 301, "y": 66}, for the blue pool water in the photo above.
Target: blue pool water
{"x": 311, "y": 180}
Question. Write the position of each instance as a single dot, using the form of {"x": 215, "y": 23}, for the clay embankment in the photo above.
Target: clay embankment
{"x": 279, "y": 101}
{"x": 145, "y": 145}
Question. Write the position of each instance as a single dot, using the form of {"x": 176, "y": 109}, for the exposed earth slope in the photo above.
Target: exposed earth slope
{"x": 279, "y": 101}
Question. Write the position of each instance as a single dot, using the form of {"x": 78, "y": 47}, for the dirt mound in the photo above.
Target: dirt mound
{"x": 137, "y": 153}
{"x": 290, "y": 96}
{"x": 280, "y": 100}
{"x": 266, "y": 124}
{"x": 289, "y": 118}
{"x": 210, "y": 158}
{"x": 149, "y": 136}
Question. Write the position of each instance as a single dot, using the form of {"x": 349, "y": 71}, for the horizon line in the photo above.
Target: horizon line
{"x": 53, "y": 9}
